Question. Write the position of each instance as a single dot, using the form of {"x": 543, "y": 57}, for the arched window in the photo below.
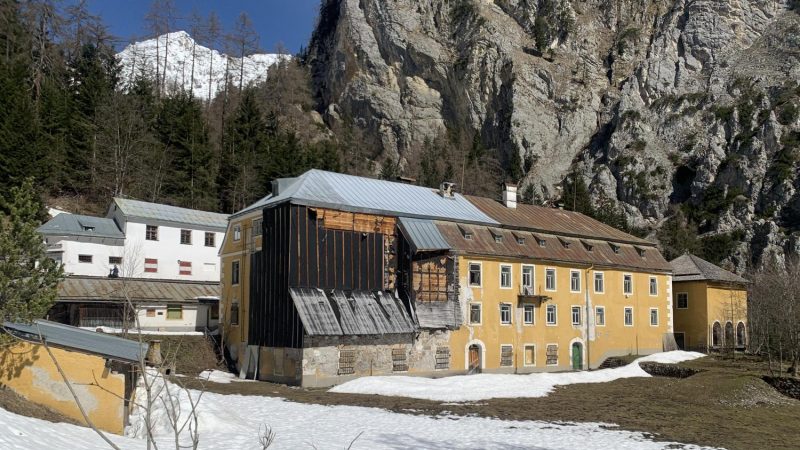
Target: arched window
{"x": 740, "y": 335}
{"x": 729, "y": 335}
{"x": 716, "y": 335}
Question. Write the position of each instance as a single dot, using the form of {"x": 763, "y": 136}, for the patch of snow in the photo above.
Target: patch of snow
{"x": 111, "y": 330}
{"x": 52, "y": 212}
{"x": 467, "y": 388}
{"x": 209, "y": 65}
{"x": 218, "y": 376}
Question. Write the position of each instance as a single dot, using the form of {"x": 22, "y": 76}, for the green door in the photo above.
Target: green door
{"x": 577, "y": 356}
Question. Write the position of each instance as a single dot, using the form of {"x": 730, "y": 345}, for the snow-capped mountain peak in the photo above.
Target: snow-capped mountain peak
{"x": 173, "y": 55}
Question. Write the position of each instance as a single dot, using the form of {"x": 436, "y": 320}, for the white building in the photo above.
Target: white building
{"x": 139, "y": 241}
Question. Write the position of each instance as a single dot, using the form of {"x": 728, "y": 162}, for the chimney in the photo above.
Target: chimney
{"x": 446, "y": 189}
{"x": 510, "y": 195}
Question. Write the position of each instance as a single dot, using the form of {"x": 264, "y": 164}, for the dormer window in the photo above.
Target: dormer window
{"x": 542, "y": 243}
{"x": 588, "y": 246}
{"x": 466, "y": 233}
{"x": 615, "y": 248}
{"x": 564, "y": 243}
{"x": 88, "y": 228}
{"x": 520, "y": 239}
{"x": 498, "y": 239}
{"x": 640, "y": 251}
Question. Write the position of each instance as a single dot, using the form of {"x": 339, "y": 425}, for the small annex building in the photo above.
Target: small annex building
{"x": 336, "y": 276}
{"x": 101, "y": 368}
{"x": 710, "y": 306}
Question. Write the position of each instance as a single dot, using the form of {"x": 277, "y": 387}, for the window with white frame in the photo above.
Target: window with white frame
{"x": 552, "y": 355}
{"x": 505, "y": 276}
{"x": 576, "y": 315}
{"x": 506, "y": 355}
{"x": 628, "y": 318}
{"x": 600, "y": 316}
{"x": 654, "y": 317}
{"x": 237, "y": 232}
{"x": 474, "y": 274}
{"x": 530, "y": 355}
{"x": 627, "y": 284}
{"x": 528, "y": 314}
{"x": 574, "y": 281}
{"x": 599, "y": 283}
{"x": 550, "y": 280}
{"x": 527, "y": 278}
{"x": 475, "y": 313}
{"x": 653, "y": 286}
{"x": 683, "y": 300}
{"x": 505, "y": 313}
{"x": 550, "y": 313}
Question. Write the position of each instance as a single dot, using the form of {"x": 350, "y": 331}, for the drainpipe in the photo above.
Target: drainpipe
{"x": 588, "y": 337}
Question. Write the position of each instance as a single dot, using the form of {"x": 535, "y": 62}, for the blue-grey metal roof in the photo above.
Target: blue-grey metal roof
{"x": 80, "y": 225}
{"x": 67, "y": 336}
{"x": 136, "y": 209}
{"x": 359, "y": 194}
{"x": 423, "y": 234}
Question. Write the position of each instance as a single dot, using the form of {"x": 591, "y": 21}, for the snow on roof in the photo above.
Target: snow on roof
{"x": 137, "y": 209}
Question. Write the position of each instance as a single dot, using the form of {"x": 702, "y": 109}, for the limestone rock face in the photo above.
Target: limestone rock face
{"x": 656, "y": 103}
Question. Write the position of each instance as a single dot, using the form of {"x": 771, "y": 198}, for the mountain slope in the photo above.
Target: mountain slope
{"x": 176, "y": 50}
{"x": 661, "y": 106}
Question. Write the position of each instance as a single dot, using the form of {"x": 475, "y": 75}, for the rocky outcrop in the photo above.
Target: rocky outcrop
{"x": 655, "y": 103}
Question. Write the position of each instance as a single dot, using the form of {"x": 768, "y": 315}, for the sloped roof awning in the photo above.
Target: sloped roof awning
{"x": 66, "y": 336}
{"x": 339, "y": 313}
{"x": 423, "y": 235}
{"x": 138, "y": 290}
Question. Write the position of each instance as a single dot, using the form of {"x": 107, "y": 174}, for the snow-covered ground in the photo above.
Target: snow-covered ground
{"x": 234, "y": 421}
{"x": 484, "y": 386}
{"x": 218, "y": 376}
{"x": 112, "y": 330}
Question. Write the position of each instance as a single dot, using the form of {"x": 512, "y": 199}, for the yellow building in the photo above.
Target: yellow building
{"x": 354, "y": 276}
{"x": 709, "y": 305}
{"x": 100, "y": 368}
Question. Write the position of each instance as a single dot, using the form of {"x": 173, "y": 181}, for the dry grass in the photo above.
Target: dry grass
{"x": 11, "y": 401}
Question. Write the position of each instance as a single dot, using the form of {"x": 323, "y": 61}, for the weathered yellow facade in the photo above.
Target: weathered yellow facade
{"x": 530, "y": 341}
{"x": 708, "y": 303}
{"x": 28, "y": 370}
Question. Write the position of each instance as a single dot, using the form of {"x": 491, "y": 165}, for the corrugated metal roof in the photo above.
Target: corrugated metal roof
{"x": 359, "y": 313}
{"x": 155, "y": 211}
{"x": 689, "y": 267}
{"x": 483, "y": 243}
{"x": 359, "y": 194}
{"x": 80, "y": 225}
{"x": 77, "y": 288}
{"x": 553, "y": 220}
{"x": 75, "y": 338}
{"x": 423, "y": 234}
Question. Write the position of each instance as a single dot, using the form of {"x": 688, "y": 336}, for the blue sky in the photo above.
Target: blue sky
{"x": 289, "y": 22}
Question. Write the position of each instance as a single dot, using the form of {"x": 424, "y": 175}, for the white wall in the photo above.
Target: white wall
{"x": 194, "y": 318}
{"x": 70, "y": 248}
{"x": 168, "y": 250}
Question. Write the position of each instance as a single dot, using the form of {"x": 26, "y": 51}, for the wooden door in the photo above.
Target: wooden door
{"x": 577, "y": 356}
{"x": 474, "y": 359}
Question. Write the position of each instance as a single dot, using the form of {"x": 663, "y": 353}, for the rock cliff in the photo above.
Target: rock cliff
{"x": 660, "y": 105}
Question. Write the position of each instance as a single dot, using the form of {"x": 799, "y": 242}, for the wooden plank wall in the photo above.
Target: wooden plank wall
{"x": 430, "y": 279}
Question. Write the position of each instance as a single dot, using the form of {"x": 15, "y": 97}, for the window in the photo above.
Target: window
{"x": 399, "y": 361}
{"x": 151, "y": 312}
{"x": 574, "y": 281}
{"x": 576, "y": 315}
{"x": 520, "y": 240}
{"x": 258, "y": 226}
{"x": 151, "y": 233}
{"x": 683, "y": 300}
{"x": 628, "y": 316}
{"x": 186, "y": 237}
{"x": 115, "y": 260}
{"x": 588, "y": 246}
{"x": 474, "y": 274}
{"x": 627, "y": 284}
{"x": 150, "y": 265}
{"x": 235, "y": 313}
{"x": 210, "y": 239}
{"x": 614, "y": 248}
{"x": 550, "y": 280}
{"x": 530, "y": 355}
{"x": 475, "y": 313}
{"x": 347, "y": 362}
{"x": 600, "y": 316}
{"x": 506, "y": 356}
{"x": 740, "y": 335}
{"x": 552, "y": 354}
{"x": 466, "y": 233}
{"x": 542, "y": 243}
{"x": 653, "y": 286}
{"x": 640, "y": 251}
{"x": 237, "y": 232}
{"x": 527, "y": 314}
{"x": 551, "y": 314}
{"x": 505, "y": 313}
{"x": 599, "y": 283}
{"x": 654, "y": 317}
{"x": 85, "y": 259}
{"x": 214, "y": 310}
{"x": 174, "y": 312}
{"x": 498, "y": 239}
{"x": 184, "y": 267}
{"x": 442, "y": 358}
{"x": 527, "y": 279}
{"x": 505, "y": 276}
{"x": 716, "y": 334}
{"x": 564, "y": 243}
{"x": 235, "y": 273}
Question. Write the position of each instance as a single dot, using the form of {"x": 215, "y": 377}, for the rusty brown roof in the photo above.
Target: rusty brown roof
{"x": 79, "y": 289}
{"x": 602, "y": 252}
{"x": 553, "y": 220}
